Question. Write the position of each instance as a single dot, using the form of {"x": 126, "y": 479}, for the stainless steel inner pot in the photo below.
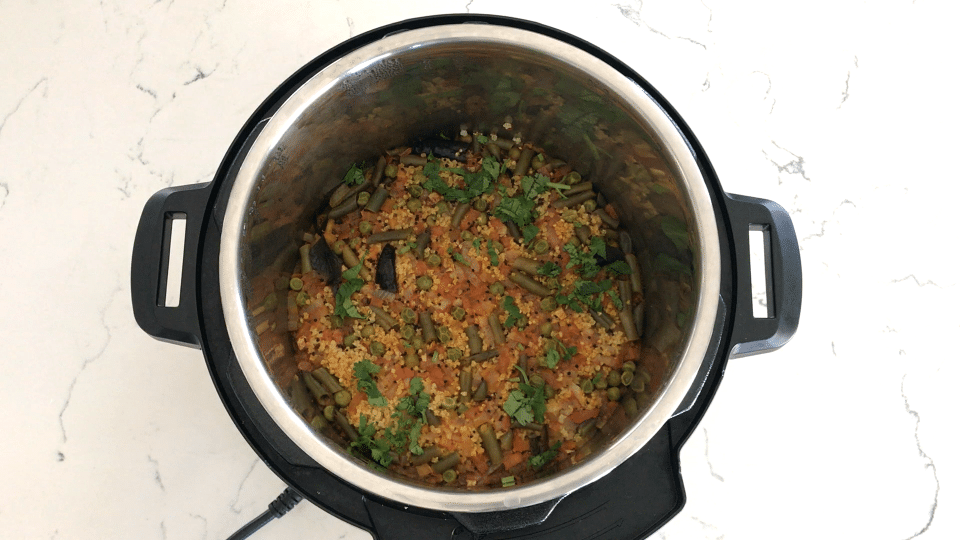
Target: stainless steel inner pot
{"x": 492, "y": 79}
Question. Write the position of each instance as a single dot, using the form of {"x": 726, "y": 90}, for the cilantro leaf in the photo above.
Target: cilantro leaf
{"x": 529, "y": 233}
{"x": 598, "y": 247}
{"x": 354, "y": 176}
{"x": 364, "y": 371}
{"x": 552, "y": 358}
{"x": 543, "y": 458}
{"x": 352, "y": 283}
{"x": 549, "y": 269}
{"x": 513, "y": 311}
{"x": 492, "y": 253}
{"x": 379, "y": 448}
{"x": 615, "y": 298}
{"x": 526, "y": 404}
{"x": 519, "y": 210}
{"x": 585, "y": 260}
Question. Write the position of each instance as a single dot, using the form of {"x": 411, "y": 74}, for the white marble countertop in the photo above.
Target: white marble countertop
{"x": 844, "y": 112}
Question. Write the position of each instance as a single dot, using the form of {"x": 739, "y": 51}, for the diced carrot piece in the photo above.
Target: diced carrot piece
{"x": 582, "y": 415}
{"x": 512, "y": 459}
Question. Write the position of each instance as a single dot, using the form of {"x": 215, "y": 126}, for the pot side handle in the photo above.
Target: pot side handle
{"x": 178, "y": 324}
{"x": 755, "y": 335}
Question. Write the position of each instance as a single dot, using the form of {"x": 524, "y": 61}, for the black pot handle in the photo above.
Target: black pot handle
{"x": 754, "y": 335}
{"x": 151, "y": 253}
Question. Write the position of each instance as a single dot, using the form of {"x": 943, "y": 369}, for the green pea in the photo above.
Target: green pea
{"x": 296, "y": 283}
{"x": 419, "y": 177}
{"x": 630, "y": 365}
{"x": 638, "y": 385}
{"x": 342, "y": 398}
{"x": 449, "y": 475}
{"x": 601, "y": 384}
{"x": 590, "y": 205}
{"x": 613, "y": 378}
{"x": 480, "y": 204}
{"x": 411, "y": 359}
{"x": 546, "y": 329}
{"x": 377, "y": 348}
{"x": 302, "y": 298}
{"x": 424, "y": 283}
{"x": 431, "y": 220}
{"x": 454, "y": 354}
{"x": 328, "y": 412}
{"x": 569, "y": 215}
{"x": 626, "y": 378}
{"x": 613, "y": 393}
{"x": 466, "y": 235}
{"x": 536, "y": 380}
{"x": 548, "y": 303}
{"x": 415, "y": 190}
{"x": 497, "y": 246}
{"x": 541, "y": 246}
{"x": 338, "y": 246}
{"x": 366, "y": 227}
{"x": 390, "y": 171}
{"x": 552, "y": 283}
{"x": 407, "y": 332}
{"x": 514, "y": 152}
{"x": 522, "y": 321}
{"x": 363, "y": 198}
{"x": 433, "y": 260}
{"x": 572, "y": 178}
{"x": 586, "y": 385}
{"x": 408, "y": 315}
{"x": 349, "y": 339}
{"x": 458, "y": 313}
{"x": 366, "y": 331}
{"x": 448, "y": 403}
{"x": 414, "y": 204}
{"x": 483, "y": 219}
{"x": 354, "y": 243}
{"x": 496, "y": 288}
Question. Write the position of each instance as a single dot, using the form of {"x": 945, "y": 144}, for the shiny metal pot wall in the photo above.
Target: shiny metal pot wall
{"x": 491, "y": 79}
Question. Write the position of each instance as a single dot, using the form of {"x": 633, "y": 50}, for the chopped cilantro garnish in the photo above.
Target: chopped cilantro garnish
{"x": 475, "y": 183}
{"x": 529, "y": 233}
{"x": 615, "y": 298}
{"x": 354, "y": 176}
{"x": 543, "y": 458}
{"x": 552, "y": 358}
{"x": 526, "y": 404}
{"x": 492, "y": 253}
{"x": 585, "y": 260}
{"x": 598, "y": 247}
{"x": 351, "y": 283}
{"x": 519, "y": 210}
{"x": 513, "y": 312}
{"x": 460, "y": 258}
{"x": 483, "y": 139}
{"x": 364, "y": 371}
{"x": 549, "y": 269}
{"x": 379, "y": 448}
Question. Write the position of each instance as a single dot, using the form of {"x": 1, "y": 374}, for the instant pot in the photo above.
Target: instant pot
{"x": 452, "y": 75}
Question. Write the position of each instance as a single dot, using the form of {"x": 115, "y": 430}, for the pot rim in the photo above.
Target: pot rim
{"x": 675, "y": 148}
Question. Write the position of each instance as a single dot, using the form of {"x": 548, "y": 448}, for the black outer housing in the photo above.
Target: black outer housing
{"x": 631, "y": 502}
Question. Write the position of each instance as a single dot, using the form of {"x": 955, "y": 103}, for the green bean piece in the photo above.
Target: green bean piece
{"x": 473, "y": 339}
{"x": 305, "y": 266}
{"x": 482, "y": 356}
{"x": 377, "y": 199}
{"x": 513, "y": 152}
{"x": 407, "y": 332}
{"x": 493, "y": 149}
{"x": 607, "y": 219}
{"x": 525, "y": 264}
{"x": 314, "y": 386}
{"x": 541, "y": 246}
{"x": 522, "y": 363}
{"x": 454, "y": 354}
{"x": 580, "y": 187}
{"x": 626, "y": 377}
{"x": 384, "y": 319}
{"x": 349, "y": 339}
{"x": 629, "y": 328}
{"x": 389, "y": 236}
{"x": 378, "y": 171}
{"x": 327, "y": 380}
{"x": 411, "y": 359}
{"x": 414, "y": 205}
{"x": 443, "y": 334}
{"x": 299, "y": 397}
{"x": 574, "y": 200}
{"x": 529, "y": 283}
{"x": 366, "y": 331}
{"x": 449, "y": 476}
{"x": 391, "y": 170}
{"x": 329, "y": 412}
{"x": 466, "y": 379}
{"x": 342, "y": 398}
{"x": 377, "y": 348}
{"x": 635, "y": 282}
{"x": 413, "y": 159}
{"x": 350, "y": 259}
{"x": 587, "y": 428}
{"x": 458, "y": 214}
{"x": 449, "y": 403}
{"x": 523, "y": 162}
{"x": 602, "y": 319}
{"x": 548, "y": 303}
{"x": 496, "y": 329}
{"x": 345, "y": 425}
{"x": 590, "y": 205}
{"x": 586, "y": 385}
{"x": 345, "y": 208}
{"x": 496, "y": 288}
{"x": 458, "y": 313}
{"x": 514, "y": 230}
{"x": 613, "y": 393}
{"x": 583, "y": 233}
{"x": 424, "y": 283}
{"x": 613, "y": 378}
{"x": 365, "y": 227}
{"x": 432, "y": 419}
{"x": 480, "y": 393}
{"x": 423, "y": 240}
{"x": 446, "y": 462}
{"x": 426, "y": 325}
{"x": 429, "y": 454}
{"x": 363, "y": 198}
{"x": 490, "y": 445}
{"x": 625, "y": 292}
{"x": 571, "y": 178}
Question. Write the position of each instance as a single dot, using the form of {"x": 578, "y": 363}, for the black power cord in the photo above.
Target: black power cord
{"x": 278, "y": 508}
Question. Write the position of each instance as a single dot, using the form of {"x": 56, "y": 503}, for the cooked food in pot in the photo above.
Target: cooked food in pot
{"x": 468, "y": 313}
